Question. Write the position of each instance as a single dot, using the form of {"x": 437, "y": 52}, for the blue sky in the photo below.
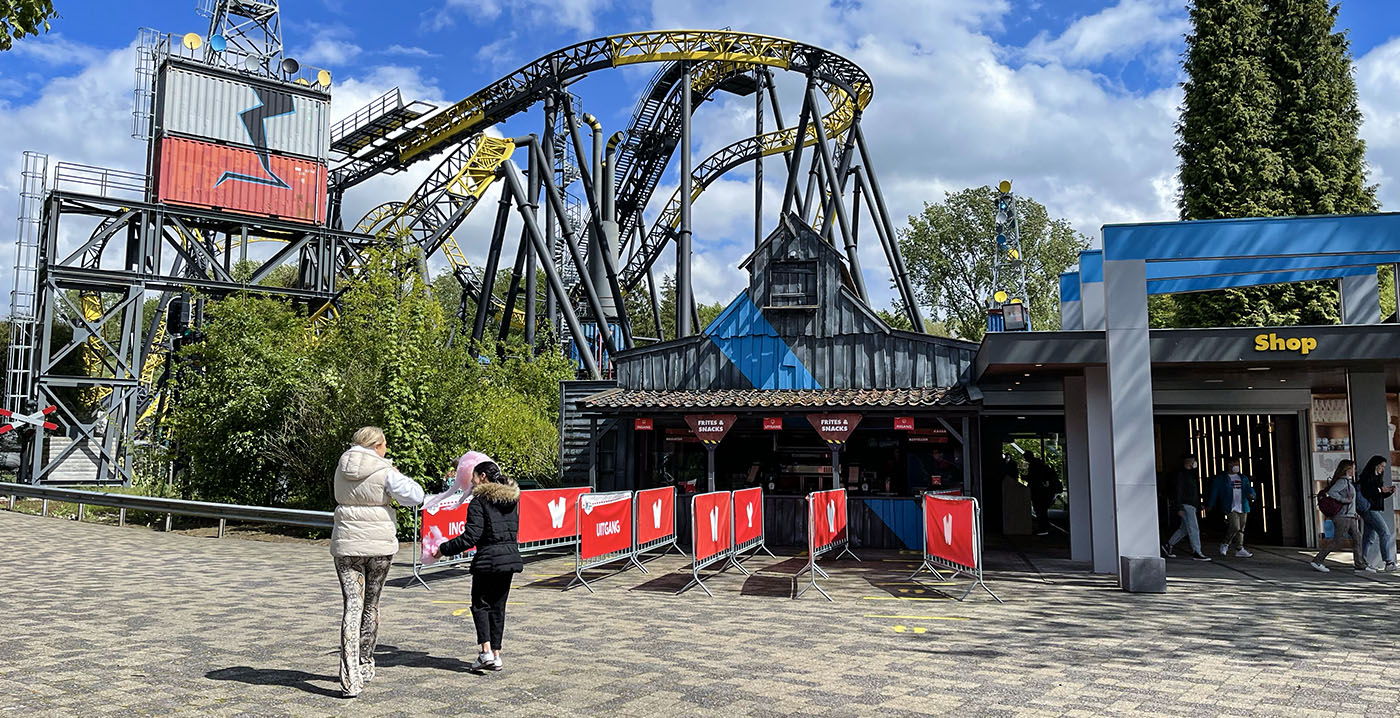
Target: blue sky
{"x": 1072, "y": 99}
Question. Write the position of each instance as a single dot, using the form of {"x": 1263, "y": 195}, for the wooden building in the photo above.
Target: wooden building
{"x": 796, "y": 344}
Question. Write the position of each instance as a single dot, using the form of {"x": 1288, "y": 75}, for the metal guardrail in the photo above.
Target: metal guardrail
{"x": 153, "y": 504}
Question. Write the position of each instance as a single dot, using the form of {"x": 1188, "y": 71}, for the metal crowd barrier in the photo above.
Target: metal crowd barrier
{"x": 813, "y": 550}
{"x": 726, "y": 554}
{"x": 124, "y": 502}
{"x": 932, "y": 562}
{"x": 628, "y": 553}
{"x": 757, "y": 543}
{"x": 666, "y": 542}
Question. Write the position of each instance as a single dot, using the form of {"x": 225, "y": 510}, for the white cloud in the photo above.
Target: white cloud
{"x": 330, "y": 47}
{"x": 1125, "y": 30}
{"x": 1378, "y": 87}
{"x": 574, "y": 15}
{"x": 409, "y": 51}
{"x": 55, "y": 50}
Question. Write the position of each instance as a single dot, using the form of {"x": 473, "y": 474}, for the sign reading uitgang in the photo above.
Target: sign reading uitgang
{"x": 710, "y": 428}
{"x": 834, "y": 428}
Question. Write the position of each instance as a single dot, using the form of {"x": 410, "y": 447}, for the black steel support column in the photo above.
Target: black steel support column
{"x": 651, "y": 288}
{"x": 795, "y": 161}
{"x": 551, "y": 307}
{"x": 758, "y": 161}
{"x": 509, "y": 172}
{"x": 595, "y": 304}
{"x": 685, "y": 297}
{"x": 882, "y": 218}
{"x": 531, "y": 293}
{"x": 833, "y": 185}
{"x": 516, "y": 270}
{"x": 488, "y": 275}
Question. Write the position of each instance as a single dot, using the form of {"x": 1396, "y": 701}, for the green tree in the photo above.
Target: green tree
{"x": 644, "y": 325}
{"x": 21, "y": 18}
{"x": 949, "y": 252}
{"x": 1268, "y": 127}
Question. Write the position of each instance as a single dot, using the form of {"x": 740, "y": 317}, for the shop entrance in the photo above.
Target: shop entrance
{"x": 1270, "y": 454}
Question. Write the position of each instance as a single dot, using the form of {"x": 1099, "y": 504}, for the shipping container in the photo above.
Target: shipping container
{"x": 238, "y": 180}
{"x": 274, "y": 117}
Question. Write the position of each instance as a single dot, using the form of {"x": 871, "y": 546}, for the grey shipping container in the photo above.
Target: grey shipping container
{"x": 257, "y": 115}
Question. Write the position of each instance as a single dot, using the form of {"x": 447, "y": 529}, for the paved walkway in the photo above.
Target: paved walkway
{"x": 101, "y": 620}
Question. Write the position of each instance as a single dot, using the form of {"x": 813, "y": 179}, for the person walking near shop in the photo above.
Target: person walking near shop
{"x": 493, "y": 523}
{"x": 1231, "y": 494}
{"x": 1186, "y": 504}
{"x": 363, "y": 543}
{"x": 1374, "y": 527}
{"x": 1045, "y": 486}
{"x": 1338, "y": 503}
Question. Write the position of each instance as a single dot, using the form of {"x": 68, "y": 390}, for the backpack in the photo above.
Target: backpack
{"x": 1326, "y": 504}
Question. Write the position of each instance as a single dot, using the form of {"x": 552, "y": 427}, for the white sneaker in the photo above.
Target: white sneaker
{"x": 1318, "y": 567}
{"x": 496, "y": 663}
{"x": 1367, "y": 569}
{"x": 1390, "y": 567}
{"x": 1224, "y": 549}
{"x": 1242, "y": 553}
{"x": 484, "y": 661}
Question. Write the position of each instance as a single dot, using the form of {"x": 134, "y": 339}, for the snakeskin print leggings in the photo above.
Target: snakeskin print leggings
{"x": 361, "y": 580}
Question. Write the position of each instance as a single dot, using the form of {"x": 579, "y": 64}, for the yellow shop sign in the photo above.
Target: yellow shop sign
{"x": 1272, "y": 342}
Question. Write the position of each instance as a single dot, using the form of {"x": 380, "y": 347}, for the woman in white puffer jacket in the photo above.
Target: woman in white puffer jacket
{"x": 363, "y": 544}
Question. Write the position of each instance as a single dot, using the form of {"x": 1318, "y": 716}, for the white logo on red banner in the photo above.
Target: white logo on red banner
{"x": 949, "y": 526}
{"x": 547, "y": 514}
{"x": 748, "y": 509}
{"x": 714, "y": 524}
{"x": 656, "y": 514}
{"x": 831, "y": 517}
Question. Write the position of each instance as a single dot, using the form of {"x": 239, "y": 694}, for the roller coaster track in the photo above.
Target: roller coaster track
{"x": 715, "y": 55}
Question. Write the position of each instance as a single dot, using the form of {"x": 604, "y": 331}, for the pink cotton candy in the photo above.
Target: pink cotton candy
{"x": 466, "y": 465}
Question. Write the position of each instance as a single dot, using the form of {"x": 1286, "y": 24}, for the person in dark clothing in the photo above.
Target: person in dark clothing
{"x": 1184, "y": 497}
{"x": 493, "y": 522}
{"x": 1374, "y": 527}
{"x": 1045, "y": 486}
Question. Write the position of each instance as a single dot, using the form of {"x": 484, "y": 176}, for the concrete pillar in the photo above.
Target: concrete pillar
{"x": 1091, "y": 305}
{"x": 1071, "y": 315}
{"x": 1077, "y": 468}
{"x": 1361, "y": 299}
{"x": 1370, "y": 424}
{"x": 1103, "y": 535}
{"x": 1130, "y": 392}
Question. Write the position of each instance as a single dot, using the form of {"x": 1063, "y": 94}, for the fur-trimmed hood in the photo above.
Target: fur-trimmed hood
{"x": 497, "y": 493}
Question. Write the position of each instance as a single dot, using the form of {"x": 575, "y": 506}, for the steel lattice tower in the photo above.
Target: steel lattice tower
{"x": 246, "y": 34}
{"x": 1008, "y": 267}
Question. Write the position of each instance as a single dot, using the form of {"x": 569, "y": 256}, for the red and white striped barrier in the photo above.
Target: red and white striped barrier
{"x": 826, "y": 532}
{"x": 953, "y": 540}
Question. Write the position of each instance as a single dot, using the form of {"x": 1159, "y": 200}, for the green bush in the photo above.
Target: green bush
{"x": 264, "y": 406}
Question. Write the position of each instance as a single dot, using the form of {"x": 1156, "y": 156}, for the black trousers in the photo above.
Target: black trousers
{"x": 489, "y": 593}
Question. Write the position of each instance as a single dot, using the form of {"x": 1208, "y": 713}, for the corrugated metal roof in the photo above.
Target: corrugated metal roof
{"x": 778, "y": 399}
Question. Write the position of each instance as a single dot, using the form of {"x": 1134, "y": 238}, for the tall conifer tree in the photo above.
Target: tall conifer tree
{"x": 1268, "y": 128}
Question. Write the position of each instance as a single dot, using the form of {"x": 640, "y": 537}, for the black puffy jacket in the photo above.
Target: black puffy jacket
{"x": 493, "y": 521}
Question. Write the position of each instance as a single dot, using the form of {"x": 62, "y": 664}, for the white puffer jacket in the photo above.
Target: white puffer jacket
{"x": 364, "y": 516}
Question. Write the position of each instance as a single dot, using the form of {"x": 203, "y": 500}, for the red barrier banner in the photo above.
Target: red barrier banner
{"x": 656, "y": 514}
{"x": 828, "y": 517}
{"x": 748, "y": 515}
{"x": 547, "y": 514}
{"x": 710, "y": 521}
{"x": 604, "y": 524}
{"x": 950, "y": 530}
{"x": 442, "y": 523}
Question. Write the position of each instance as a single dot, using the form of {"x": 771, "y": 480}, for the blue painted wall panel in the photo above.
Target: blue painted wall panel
{"x": 902, "y": 518}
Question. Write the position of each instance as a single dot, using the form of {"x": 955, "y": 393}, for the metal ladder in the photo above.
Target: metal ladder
{"x": 142, "y": 96}
{"x": 19, "y": 379}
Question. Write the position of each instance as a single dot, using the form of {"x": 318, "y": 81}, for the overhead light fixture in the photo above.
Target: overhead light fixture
{"x": 1026, "y": 374}
{"x": 1020, "y": 418}
{"x": 1249, "y": 387}
{"x": 1040, "y": 365}
{"x": 1282, "y": 380}
{"x": 1214, "y": 381}
{"x": 1258, "y": 368}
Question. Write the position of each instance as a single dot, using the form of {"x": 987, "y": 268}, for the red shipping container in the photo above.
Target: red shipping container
{"x": 238, "y": 180}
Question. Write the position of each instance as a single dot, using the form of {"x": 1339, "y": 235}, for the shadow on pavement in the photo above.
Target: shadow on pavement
{"x": 385, "y": 656}
{"x": 300, "y": 680}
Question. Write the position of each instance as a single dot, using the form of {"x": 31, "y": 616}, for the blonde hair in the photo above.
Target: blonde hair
{"x": 369, "y": 437}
